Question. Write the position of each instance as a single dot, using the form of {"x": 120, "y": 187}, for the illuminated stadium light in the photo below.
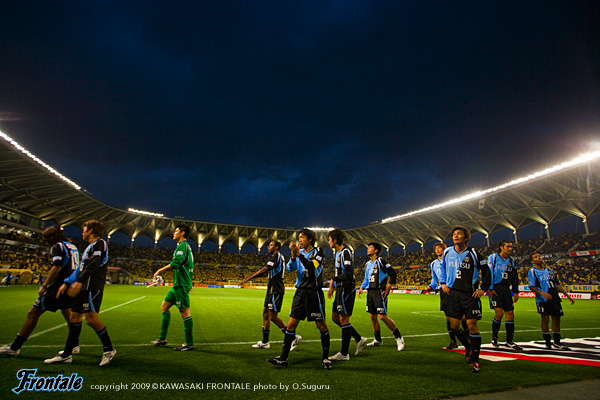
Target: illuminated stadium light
{"x": 320, "y": 229}
{"x": 37, "y": 160}
{"x": 151, "y": 214}
{"x": 579, "y": 160}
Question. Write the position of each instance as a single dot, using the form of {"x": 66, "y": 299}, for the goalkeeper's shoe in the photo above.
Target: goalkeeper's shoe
{"x": 184, "y": 347}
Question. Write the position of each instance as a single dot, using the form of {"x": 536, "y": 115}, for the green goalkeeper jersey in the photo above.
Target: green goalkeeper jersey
{"x": 183, "y": 266}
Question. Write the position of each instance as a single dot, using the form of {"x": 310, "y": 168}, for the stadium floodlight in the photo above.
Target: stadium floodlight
{"x": 316, "y": 229}
{"x": 576, "y": 161}
{"x": 151, "y": 214}
{"x": 37, "y": 160}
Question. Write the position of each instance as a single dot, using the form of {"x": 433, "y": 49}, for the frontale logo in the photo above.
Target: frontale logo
{"x": 30, "y": 382}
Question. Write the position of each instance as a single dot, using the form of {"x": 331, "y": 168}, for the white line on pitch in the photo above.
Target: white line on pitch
{"x": 303, "y": 341}
{"x": 65, "y": 324}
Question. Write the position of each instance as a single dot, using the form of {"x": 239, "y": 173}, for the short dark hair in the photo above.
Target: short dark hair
{"x": 531, "y": 257}
{"x": 465, "y": 231}
{"x": 377, "y": 247}
{"x": 95, "y": 226}
{"x": 502, "y": 244}
{"x": 337, "y": 235}
{"x": 184, "y": 229}
{"x": 310, "y": 234}
{"x": 53, "y": 234}
{"x": 277, "y": 244}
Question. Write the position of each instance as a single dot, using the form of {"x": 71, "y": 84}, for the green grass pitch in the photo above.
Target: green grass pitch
{"x": 228, "y": 321}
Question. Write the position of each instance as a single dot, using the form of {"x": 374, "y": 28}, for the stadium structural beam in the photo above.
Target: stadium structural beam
{"x": 586, "y": 226}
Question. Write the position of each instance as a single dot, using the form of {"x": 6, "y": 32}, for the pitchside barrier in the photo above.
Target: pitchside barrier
{"x": 592, "y": 290}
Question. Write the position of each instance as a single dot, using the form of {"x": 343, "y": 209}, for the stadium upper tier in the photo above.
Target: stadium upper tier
{"x": 572, "y": 188}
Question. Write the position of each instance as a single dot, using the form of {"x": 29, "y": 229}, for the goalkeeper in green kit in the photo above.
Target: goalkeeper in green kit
{"x": 179, "y": 295}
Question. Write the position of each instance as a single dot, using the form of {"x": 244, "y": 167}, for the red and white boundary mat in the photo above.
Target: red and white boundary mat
{"x": 585, "y": 351}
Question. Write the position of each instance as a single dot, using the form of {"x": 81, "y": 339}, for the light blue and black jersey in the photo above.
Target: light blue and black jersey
{"x": 504, "y": 272}
{"x": 308, "y": 267}
{"x": 276, "y": 274}
{"x": 436, "y": 273}
{"x": 376, "y": 274}
{"x": 344, "y": 269}
{"x": 92, "y": 268}
{"x": 546, "y": 281}
{"x": 460, "y": 271}
{"x": 65, "y": 256}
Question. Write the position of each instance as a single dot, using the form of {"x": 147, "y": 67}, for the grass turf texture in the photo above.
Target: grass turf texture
{"x": 228, "y": 321}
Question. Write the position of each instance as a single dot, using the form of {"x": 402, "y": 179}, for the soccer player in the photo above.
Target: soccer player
{"x": 344, "y": 286}
{"x": 376, "y": 281}
{"x": 504, "y": 278}
{"x": 309, "y": 301}
{"x": 87, "y": 286}
{"x": 460, "y": 271}
{"x": 183, "y": 269}
{"x": 65, "y": 260}
{"x": 275, "y": 269}
{"x": 544, "y": 283}
{"x": 435, "y": 267}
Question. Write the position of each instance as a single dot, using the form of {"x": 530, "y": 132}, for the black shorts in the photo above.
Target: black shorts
{"x": 502, "y": 299}
{"x": 550, "y": 308}
{"x": 376, "y": 303}
{"x": 308, "y": 304}
{"x": 443, "y": 301}
{"x": 88, "y": 301}
{"x": 50, "y": 303}
{"x": 273, "y": 301}
{"x": 344, "y": 300}
{"x": 463, "y": 303}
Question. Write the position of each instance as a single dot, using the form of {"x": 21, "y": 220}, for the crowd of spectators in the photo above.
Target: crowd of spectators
{"x": 215, "y": 268}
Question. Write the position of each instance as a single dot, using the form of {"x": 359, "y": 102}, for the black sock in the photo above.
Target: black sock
{"x": 346, "y": 336}
{"x": 72, "y": 340}
{"x": 547, "y": 338}
{"x": 325, "y": 340}
{"x": 464, "y": 325}
{"x": 105, "y": 339}
{"x": 265, "y": 335}
{"x": 18, "y": 343}
{"x": 450, "y": 332}
{"x": 356, "y": 335}
{"x": 556, "y": 336}
{"x": 287, "y": 344}
{"x": 510, "y": 331}
{"x": 397, "y": 334}
{"x": 377, "y": 335}
{"x": 476, "y": 346}
{"x": 495, "y": 329}
{"x": 463, "y": 338}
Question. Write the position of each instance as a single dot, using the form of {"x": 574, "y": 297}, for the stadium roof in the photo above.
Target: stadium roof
{"x": 572, "y": 188}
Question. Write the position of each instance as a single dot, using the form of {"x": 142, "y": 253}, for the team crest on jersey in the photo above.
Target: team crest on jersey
{"x": 467, "y": 259}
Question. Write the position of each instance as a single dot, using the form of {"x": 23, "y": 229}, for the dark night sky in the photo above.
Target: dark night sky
{"x": 298, "y": 113}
